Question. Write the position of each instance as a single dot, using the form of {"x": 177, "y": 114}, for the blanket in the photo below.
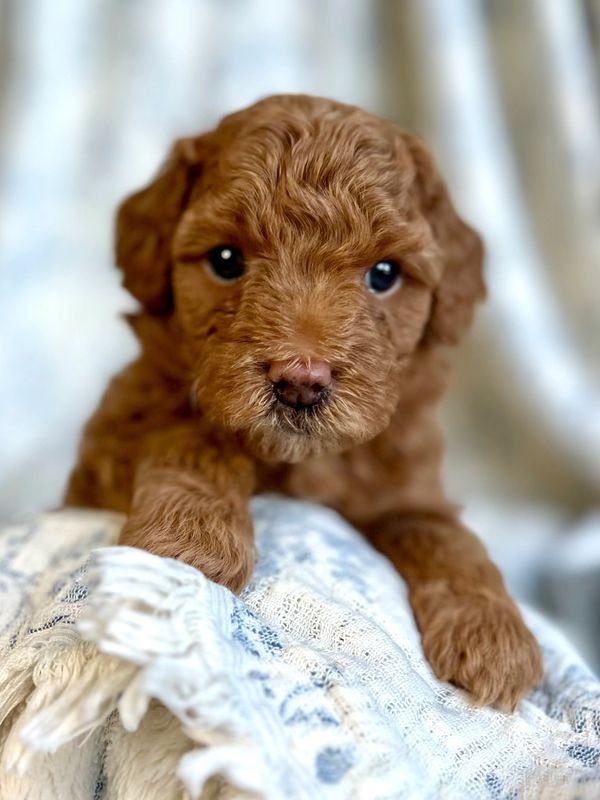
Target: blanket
{"x": 124, "y": 676}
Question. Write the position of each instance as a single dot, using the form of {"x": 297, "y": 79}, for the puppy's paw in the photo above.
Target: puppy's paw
{"x": 480, "y": 643}
{"x": 224, "y": 556}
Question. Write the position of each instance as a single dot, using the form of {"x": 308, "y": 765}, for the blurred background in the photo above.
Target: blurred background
{"x": 92, "y": 92}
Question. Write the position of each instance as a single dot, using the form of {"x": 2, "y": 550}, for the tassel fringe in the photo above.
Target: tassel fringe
{"x": 149, "y": 630}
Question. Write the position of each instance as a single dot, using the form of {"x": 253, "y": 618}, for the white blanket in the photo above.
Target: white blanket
{"x": 130, "y": 677}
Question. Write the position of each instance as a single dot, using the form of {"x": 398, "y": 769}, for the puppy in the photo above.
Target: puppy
{"x": 300, "y": 269}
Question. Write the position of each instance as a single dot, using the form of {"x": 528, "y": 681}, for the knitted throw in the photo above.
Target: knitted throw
{"x": 124, "y": 676}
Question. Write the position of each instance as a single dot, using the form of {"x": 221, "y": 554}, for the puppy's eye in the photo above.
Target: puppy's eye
{"x": 383, "y": 277}
{"x": 226, "y": 262}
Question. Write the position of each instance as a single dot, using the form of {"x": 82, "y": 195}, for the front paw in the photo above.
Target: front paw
{"x": 479, "y": 642}
{"x": 224, "y": 555}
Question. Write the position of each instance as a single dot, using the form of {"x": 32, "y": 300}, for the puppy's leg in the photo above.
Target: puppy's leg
{"x": 472, "y": 632}
{"x": 197, "y": 513}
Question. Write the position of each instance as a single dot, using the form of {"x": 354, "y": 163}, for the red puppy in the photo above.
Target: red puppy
{"x": 300, "y": 269}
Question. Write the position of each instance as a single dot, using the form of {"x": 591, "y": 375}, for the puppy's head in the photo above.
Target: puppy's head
{"x": 307, "y": 249}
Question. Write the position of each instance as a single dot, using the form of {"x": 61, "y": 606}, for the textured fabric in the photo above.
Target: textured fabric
{"x": 310, "y": 685}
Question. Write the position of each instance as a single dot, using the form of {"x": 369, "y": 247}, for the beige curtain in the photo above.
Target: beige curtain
{"x": 507, "y": 93}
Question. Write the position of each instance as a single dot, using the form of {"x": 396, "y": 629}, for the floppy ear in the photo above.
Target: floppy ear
{"x": 145, "y": 225}
{"x": 460, "y": 248}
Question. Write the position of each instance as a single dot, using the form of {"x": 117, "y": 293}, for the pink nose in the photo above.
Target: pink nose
{"x": 299, "y": 385}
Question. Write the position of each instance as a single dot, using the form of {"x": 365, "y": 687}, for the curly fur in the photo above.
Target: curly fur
{"x": 313, "y": 192}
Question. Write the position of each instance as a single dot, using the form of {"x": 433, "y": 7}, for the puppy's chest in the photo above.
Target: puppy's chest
{"x": 357, "y": 484}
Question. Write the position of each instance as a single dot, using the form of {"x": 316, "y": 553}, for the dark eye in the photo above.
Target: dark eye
{"x": 383, "y": 276}
{"x": 226, "y": 262}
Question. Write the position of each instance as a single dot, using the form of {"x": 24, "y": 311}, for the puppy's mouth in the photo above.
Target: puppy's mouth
{"x": 291, "y": 412}
{"x": 291, "y": 432}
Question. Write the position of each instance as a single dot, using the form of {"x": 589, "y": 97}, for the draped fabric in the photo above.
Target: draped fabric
{"x": 505, "y": 91}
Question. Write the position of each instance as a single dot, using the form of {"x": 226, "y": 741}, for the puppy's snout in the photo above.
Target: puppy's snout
{"x": 300, "y": 385}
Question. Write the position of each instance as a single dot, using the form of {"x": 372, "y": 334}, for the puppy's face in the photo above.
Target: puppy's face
{"x": 307, "y": 250}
